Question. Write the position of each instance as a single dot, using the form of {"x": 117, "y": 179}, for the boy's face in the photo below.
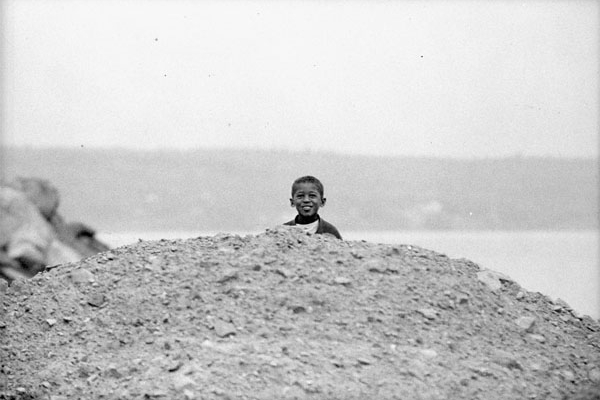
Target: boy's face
{"x": 307, "y": 199}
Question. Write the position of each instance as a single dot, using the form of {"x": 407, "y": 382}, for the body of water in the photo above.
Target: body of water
{"x": 560, "y": 264}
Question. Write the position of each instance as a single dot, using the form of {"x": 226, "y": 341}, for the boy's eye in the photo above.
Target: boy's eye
{"x": 301, "y": 195}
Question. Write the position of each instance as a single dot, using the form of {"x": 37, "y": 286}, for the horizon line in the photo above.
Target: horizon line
{"x": 257, "y": 149}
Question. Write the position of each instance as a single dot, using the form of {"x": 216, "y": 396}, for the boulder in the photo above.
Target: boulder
{"x": 40, "y": 192}
{"x": 79, "y": 236}
{"x": 33, "y": 235}
{"x": 24, "y": 233}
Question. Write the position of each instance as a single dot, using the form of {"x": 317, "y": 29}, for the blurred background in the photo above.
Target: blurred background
{"x": 470, "y": 128}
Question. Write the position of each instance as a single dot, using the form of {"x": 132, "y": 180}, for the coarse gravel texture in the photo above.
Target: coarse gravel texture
{"x": 287, "y": 315}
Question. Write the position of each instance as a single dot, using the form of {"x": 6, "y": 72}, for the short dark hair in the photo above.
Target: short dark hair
{"x": 308, "y": 179}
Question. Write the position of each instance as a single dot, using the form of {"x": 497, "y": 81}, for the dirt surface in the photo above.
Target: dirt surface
{"x": 285, "y": 315}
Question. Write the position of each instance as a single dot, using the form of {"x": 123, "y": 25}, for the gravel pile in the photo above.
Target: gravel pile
{"x": 285, "y": 315}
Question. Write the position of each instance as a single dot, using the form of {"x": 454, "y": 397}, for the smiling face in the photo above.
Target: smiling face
{"x": 307, "y": 199}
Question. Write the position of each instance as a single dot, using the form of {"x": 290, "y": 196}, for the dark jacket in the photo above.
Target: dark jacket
{"x": 324, "y": 227}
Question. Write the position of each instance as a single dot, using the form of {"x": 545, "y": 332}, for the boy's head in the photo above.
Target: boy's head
{"x": 307, "y": 196}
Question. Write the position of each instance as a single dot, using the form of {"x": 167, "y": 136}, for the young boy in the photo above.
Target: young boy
{"x": 307, "y": 197}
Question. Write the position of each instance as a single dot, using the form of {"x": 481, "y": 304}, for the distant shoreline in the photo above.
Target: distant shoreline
{"x": 208, "y": 189}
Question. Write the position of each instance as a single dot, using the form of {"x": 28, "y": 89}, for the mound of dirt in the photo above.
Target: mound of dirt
{"x": 285, "y": 315}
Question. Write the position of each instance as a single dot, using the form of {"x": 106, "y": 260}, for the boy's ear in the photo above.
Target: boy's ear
{"x": 323, "y": 202}
{"x": 292, "y": 202}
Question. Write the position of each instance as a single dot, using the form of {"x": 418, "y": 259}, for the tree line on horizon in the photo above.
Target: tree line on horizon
{"x": 121, "y": 190}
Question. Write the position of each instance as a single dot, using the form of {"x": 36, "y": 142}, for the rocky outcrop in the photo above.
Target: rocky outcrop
{"x": 33, "y": 235}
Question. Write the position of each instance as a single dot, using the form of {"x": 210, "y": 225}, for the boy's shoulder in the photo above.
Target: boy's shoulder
{"x": 326, "y": 227}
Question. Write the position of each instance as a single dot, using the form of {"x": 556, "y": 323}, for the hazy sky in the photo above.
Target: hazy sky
{"x": 439, "y": 78}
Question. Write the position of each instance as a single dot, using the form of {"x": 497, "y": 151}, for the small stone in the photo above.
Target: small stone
{"x": 46, "y": 384}
{"x": 376, "y": 266}
{"x": 84, "y": 371}
{"x": 492, "y": 279}
{"x": 428, "y": 313}
{"x": 283, "y": 272}
{"x": 149, "y": 393}
{"x": 82, "y": 276}
{"x": 188, "y": 394}
{"x": 567, "y": 375}
{"x": 96, "y": 299}
{"x": 51, "y": 321}
{"x": 228, "y": 275}
{"x": 594, "y": 375}
{"x": 113, "y": 372}
{"x": 506, "y": 360}
{"x": 563, "y": 304}
{"x": 480, "y": 370}
{"x": 340, "y": 280}
{"x": 520, "y": 295}
{"x": 429, "y": 353}
{"x": 224, "y": 329}
{"x": 565, "y": 318}
{"x": 337, "y": 363}
{"x": 175, "y": 365}
{"x": 537, "y": 338}
{"x": 364, "y": 361}
{"x": 259, "y": 252}
{"x": 526, "y": 323}
{"x": 298, "y": 309}
{"x": 182, "y": 382}
{"x": 535, "y": 367}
